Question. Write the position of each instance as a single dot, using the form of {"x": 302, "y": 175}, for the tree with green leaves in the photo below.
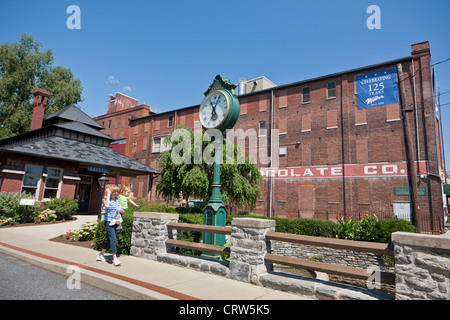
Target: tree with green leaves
{"x": 187, "y": 171}
{"x": 23, "y": 69}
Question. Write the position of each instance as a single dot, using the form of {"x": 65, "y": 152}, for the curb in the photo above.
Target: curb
{"x": 120, "y": 285}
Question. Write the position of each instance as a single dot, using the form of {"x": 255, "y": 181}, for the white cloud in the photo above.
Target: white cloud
{"x": 127, "y": 88}
{"x": 112, "y": 80}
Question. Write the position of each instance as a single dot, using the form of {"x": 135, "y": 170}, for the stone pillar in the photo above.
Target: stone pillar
{"x": 422, "y": 266}
{"x": 248, "y": 248}
{"x": 150, "y": 232}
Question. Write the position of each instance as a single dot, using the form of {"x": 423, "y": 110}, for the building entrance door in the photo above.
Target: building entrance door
{"x": 83, "y": 193}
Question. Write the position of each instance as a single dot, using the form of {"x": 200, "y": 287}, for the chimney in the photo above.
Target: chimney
{"x": 40, "y": 102}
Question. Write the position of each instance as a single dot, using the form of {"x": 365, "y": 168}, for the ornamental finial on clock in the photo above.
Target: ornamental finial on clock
{"x": 219, "y": 83}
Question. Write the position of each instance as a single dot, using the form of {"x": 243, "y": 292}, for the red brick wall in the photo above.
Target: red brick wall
{"x": 12, "y": 182}
{"x": 116, "y": 124}
{"x": 121, "y": 102}
{"x": 330, "y": 131}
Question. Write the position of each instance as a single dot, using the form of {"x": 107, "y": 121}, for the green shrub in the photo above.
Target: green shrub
{"x": 64, "y": 208}
{"x": 366, "y": 230}
{"x": 149, "y": 206}
{"x": 192, "y": 236}
{"x": 11, "y": 210}
{"x": 352, "y": 229}
{"x": 346, "y": 228}
{"x": 370, "y": 229}
{"x": 184, "y": 210}
{"x": 384, "y": 228}
{"x": 303, "y": 226}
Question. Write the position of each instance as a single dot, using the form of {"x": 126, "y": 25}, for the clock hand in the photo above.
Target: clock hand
{"x": 213, "y": 111}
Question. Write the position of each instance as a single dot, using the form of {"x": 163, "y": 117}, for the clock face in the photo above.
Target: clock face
{"x": 213, "y": 110}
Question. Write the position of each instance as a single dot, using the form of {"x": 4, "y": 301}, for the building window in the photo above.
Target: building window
{"x": 170, "y": 122}
{"x": 158, "y": 145}
{"x": 52, "y": 183}
{"x": 305, "y": 95}
{"x": 109, "y": 124}
{"x": 134, "y": 143}
{"x": 262, "y": 129}
{"x": 31, "y": 179}
{"x": 331, "y": 90}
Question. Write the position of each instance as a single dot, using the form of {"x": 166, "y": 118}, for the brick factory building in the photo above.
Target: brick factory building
{"x": 339, "y": 143}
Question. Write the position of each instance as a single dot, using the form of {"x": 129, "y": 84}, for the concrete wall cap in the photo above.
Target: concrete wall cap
{"x": 253, "y": 223}
{"x": 422, "y": 240}
{"x": 157, "y": 215}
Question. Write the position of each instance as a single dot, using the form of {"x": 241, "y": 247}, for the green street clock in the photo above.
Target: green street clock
{"x": 219, "y": 110}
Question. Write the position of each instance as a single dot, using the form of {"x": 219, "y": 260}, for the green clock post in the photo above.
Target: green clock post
{"x": 219, "y": 110}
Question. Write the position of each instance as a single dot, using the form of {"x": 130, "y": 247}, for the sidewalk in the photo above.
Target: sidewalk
{"x": 136, "y": 278}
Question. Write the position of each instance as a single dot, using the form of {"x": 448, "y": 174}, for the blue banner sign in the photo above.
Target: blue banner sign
{"x": 377, "y": 89}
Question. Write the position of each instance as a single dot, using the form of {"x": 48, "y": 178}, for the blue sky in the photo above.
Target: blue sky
{"x": 166, "y": 53}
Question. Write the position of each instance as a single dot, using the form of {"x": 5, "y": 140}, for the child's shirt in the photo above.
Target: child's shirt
{"x": 123, "y": 201}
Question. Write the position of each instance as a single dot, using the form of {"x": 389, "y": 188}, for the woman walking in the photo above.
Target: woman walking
{"x": 112, "y": 208}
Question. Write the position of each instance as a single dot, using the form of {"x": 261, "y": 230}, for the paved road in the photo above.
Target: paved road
{"x": 20, "y": 280}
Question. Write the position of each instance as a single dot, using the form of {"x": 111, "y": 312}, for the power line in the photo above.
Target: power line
{"x": 432, "y": 65}
{"x": 440, "y": 62}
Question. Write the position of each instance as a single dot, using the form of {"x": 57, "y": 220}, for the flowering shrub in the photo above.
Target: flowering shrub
{"x": 6, "y": 221}
{"x": 87, "y": 231}
{"x": 370, "y": 228}
{"x": 352, "y": 229}
{"x": 64, "y": 208}
{"x": 346, "y": 228}
{"x": 47, "y": 216}
{"x": 70, "y": 235}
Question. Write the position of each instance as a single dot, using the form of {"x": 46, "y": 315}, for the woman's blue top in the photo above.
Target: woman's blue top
{"x": 111, "y": 212}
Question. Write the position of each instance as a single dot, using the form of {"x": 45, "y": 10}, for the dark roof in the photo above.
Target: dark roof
{"x": 72, "y": 113}
{"x": 71, "y": 135}
{"x": 80, "y": 127}
{"x": 84, "y": 153}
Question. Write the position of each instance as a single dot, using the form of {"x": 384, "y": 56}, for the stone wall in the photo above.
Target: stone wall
{"x": 422, "y": 262}
{"x": 149, "y": 234}
{"x": 349, "y": 258}
{"x": 248, "y": 249}
{"x": 422, "y": 266}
